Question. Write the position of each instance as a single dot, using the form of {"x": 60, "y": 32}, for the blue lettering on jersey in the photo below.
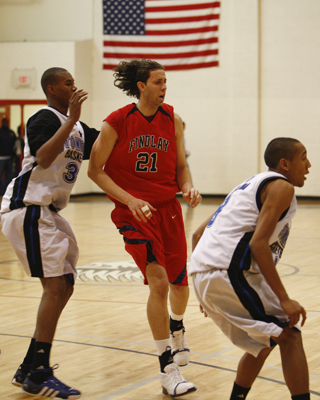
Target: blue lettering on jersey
{"x": 240, "y": 187}
{"x": 74, "y": 155}
{"x": 278, "y": 246}
{"x": 218, "y": 211}
{"x": 75, "y": 143}
{"x": 74, "y": 147}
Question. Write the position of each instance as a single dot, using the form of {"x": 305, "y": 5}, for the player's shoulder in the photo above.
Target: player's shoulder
{"x": 43, "y": 116}
{"x": 177, "y": 118}
{"x": 167, "y": 111}
{"x": 282, "y": 183}
{"x": 280, "y": 188}
{"x": 127, "y": 109}
{"x": 168, "y": 108}
{"x": 122, "y": 112}
{"x": 45, "y": 113}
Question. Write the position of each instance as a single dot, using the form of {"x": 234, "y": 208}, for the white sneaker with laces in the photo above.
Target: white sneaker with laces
{"x": 180, "y": 348}
{"x": 173, "y": 383}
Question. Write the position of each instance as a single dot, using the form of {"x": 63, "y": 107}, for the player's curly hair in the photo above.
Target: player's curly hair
{"x": 282, "y": 147}
{"x": 50, "y": 77}
{"x": 128, "y": 73}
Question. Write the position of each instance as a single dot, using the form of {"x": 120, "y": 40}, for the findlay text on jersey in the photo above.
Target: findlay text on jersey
{"x": 144, "y": 141}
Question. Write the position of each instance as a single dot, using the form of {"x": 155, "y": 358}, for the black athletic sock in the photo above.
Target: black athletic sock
{"x": 305, "y": 396}
{"x": 41, "y": 355}
{"x": 28, "y": 360}
{"x": 175, "y": 325}
{"x": 239, "y": 392}
{"x": 165, "y": 359}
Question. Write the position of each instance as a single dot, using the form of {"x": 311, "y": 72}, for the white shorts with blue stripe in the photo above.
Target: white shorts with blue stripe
{"x": 42, "y": 240}
{"x": 245, "y": 308}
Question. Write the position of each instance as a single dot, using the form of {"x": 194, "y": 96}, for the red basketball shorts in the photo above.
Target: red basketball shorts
{"x": 161, "y": 239}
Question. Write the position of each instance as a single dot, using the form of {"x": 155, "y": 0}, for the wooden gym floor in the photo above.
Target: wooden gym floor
{"x": 103, "y": 342}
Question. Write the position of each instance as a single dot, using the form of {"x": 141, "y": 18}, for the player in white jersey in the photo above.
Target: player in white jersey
{"x": 55, "y": 145}
{"x": 233, "y": 266}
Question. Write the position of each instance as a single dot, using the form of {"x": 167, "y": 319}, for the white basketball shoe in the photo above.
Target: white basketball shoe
{"x": 173, "y": 383}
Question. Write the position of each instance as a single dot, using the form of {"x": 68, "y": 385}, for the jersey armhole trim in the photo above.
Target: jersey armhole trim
{"x": 261, "y": 186}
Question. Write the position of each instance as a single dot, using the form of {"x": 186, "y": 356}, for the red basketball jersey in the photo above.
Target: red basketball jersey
{"x": 143, "y": 161}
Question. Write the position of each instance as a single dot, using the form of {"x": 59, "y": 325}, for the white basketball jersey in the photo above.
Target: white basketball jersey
{"x": 225, "y": 241}
{"x": 51, "y": 186}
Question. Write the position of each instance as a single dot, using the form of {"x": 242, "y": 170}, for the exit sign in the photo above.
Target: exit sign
{"x": 23, "y": 78}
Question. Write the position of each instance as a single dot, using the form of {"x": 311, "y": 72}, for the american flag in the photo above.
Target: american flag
{"x": 179, "y": 34}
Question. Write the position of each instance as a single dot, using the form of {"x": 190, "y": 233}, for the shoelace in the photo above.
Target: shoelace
{"x": 176, "y": 376}
{"x": 54, "y": 367}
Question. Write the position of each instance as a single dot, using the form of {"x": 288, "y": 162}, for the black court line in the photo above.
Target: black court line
{"x": 296, "y": 270}
{"x": 155, "y": 355}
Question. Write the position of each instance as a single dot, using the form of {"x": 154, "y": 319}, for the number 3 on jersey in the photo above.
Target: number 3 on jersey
{"x": 147, "y": 162}
{"x": 72, "y": 171}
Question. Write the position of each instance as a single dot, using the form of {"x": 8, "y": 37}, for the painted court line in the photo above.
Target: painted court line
{"x": 141, "y": 383}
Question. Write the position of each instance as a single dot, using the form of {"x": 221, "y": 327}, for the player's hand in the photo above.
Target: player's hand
{"x": 139, "y": 210}
{"x": 193, "y": 197}
{"x": 75, "y": 103}
{"x": 294, "y": 311}
{"x": 202, "y": 310}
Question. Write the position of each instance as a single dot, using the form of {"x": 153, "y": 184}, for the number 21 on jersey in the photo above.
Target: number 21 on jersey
{"x": 146, "y": 162}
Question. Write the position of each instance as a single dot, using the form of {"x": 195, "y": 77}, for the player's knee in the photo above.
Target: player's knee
{"x": 289, "y": 336}
{"x": 58, "y": 287}
{"x": 179, "y": 290}
{"x": 69, "y": 290}
{"x": 157, "y": 279}
{"x": 160, "y": 287}
{"x": 264, "y": 353}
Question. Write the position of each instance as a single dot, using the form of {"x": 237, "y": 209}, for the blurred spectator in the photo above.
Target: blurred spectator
{"x": 7, "y": 141}
{"x": 187, "y": 152}
{"x": 18, "y": 149}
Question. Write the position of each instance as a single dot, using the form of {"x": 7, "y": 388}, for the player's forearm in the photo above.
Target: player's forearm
{"x": 109, "y": 186}
{"x": 184, "y": 179}
{"x": 195, "y": 238}
{"x": 49, "y": 151}
{"x": 198, "y": 233}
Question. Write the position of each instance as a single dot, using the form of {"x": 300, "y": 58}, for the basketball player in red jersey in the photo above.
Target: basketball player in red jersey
{"x": 139, "y": 160}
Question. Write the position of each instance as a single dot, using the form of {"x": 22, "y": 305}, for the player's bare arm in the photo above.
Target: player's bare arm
{"x": 48, "y": 152}
{"x": 189, "y": 193}
{"x": 100, "y": 153}
{"x": 195, "y": 239}
{"x": 198, "y": 233}
{"x": 276, "y": 198}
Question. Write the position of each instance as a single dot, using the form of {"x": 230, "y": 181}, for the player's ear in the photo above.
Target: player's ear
{"x": 141, "y": 86}
{"x": 284, "y": 164}
{"x": 50, "y": 89}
